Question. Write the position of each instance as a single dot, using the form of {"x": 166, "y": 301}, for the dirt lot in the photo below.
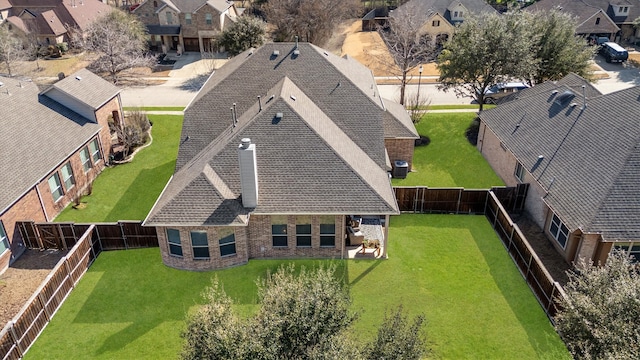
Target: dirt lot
{"x": 22, "y": 278}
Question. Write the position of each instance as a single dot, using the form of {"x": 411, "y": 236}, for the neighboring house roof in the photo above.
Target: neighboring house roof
{"x": 18, "y": 23}
{"x": 4, "y": 4}
{"x": 57, "y": 16}
{"x": 220, "y": 5}
{"x": 572, "y": 80}
{"x": 324, "y": 155}
{"x": 38, "y": 134}
{"x": 49, "y": 23}
{"x": 427, "y": 8}
{"x": 86, "y": 87}
{"x": 590, "y": 166}
{"x": 586, "y": 12}
{"x": 81, "y": 13}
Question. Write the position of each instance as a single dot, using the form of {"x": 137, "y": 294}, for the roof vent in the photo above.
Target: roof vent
{"x": 276, "y": 52}
{"x": 296, "y": 52}
{"x": 78, "y": 78}
{"x": 554, "y": 92}
{"x": 565, "y": 97}
{"x": 293, "y": 98}
{"x": 573, "y": 105}
{"x": 279, "y": 115}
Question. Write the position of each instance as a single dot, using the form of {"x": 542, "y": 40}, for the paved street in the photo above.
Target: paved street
{"x": 190, "y": 73}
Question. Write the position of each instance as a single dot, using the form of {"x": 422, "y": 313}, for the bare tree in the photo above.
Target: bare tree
{"x": 417, "y": 106}
{"x": 119, "y": 39}
{"x": 12, "y": 50}
{"x": 408, "y": 46}
{"x": 310, "y": 20}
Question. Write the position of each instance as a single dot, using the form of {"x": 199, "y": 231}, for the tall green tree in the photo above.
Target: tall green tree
{"x": 557, "y": 49}
{"x": 303, "y": 315}
{"x": 119, "y": 39}
{"x": 485, "y": 50}
{"x": 245, "y": 33}
{"x": 601, "y": 311}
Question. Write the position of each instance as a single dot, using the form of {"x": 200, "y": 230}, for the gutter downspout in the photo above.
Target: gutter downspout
{"x": 386, "y": 236}
{"x": 44, "y": 210}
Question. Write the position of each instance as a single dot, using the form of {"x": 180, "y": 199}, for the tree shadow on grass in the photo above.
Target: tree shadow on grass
{"x": 136, "y": 202}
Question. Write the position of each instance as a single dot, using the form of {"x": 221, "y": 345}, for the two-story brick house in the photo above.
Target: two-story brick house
{"x": 184, "y": 25}
{"x": 55, "y": 143}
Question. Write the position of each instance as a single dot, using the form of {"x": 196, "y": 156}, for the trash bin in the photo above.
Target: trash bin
{"x": 400, "y": 169}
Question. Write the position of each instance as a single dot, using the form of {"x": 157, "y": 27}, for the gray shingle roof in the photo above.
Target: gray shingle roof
{"x": 572, "y": 80}
{"x": 585, "y": 11}
{"x": 427, "y": 7}
{"x": 87, "y": 88}
{"x": 325, "y": 155}
{"x": 397, "y": 122}
{"x": 38, "y": 134}
{"x": 590, "y": 166}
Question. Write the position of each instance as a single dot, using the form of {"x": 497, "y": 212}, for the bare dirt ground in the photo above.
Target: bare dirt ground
{"x": 22, "y": 278}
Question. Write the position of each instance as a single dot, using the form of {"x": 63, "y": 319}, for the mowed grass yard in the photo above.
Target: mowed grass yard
{"x": 449, "y": 160}
{"x": 451, "y": 268}
{"x": 128, "y": 191}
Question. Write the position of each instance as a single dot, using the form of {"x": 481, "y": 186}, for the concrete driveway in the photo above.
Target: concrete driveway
{"x": 621, "y": 76}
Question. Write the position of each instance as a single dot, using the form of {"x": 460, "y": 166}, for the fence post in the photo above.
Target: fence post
{"x": 459, "y": 199}
{"x": 124, "y": 237}
{"x": 43, "y": 303}
{"x": 99, "y": 240}
{"x": 422, "y": 201}
{"x": 68, "y": 267}
{"x": 16, "y": 339}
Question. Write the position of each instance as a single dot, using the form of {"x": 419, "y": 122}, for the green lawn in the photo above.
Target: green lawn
{"x": 459, "y": 106}
{"x": 449, "y": 160}
{"x": 155, "y": 108}
{"x": 128, "y": 191}
{"x": 451, "y": 268}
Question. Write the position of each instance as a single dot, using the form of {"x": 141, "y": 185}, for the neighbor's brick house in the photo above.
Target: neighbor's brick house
{"x": 185, "y": 25}
{"x": 579, "y": 151}
{"x": 278, "y": 148}
{"x": 55, "y": 143}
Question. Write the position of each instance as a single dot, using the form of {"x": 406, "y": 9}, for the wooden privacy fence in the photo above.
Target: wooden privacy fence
{"x": 19, "y": 333}
{"x": 457, "y": 200}
{"x": 108, "y": 236}
{"x": 547, "y": 291}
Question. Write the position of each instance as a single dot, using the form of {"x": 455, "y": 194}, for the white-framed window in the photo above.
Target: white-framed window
{"x": 279, "y": 231}
{"x": 227, "y": 241}
{"x": 4, "y": 240}
{"x": 303, "y": 231}
{"x": 455, "y": 14}
{"x": 67, "y": 176}
{"x": 559, "y": 231}
{"x": 597, "y": 21}
{"x": 169, "y": 18}
{"x": 435, "y": 23}
{"x": 199, "y": 244}
{"x": 187, "y": 18}
{"x": 519, "y": 172}
{"x": 327, "y": 231}
{"x": 95, "y": 151}
{"x": 631, "y": 249}
{"x": 85, "y": 158}
{"x": 173, "y": 238}
{"x": 208, "y": 18}
{"x": 55, "y": 186}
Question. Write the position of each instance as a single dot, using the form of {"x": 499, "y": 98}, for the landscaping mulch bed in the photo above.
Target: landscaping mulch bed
{"x": 22, "y": 278}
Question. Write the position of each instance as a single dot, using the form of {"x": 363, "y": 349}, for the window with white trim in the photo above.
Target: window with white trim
{"x": 200, "y": 245}
{"x": 187, "y": 18}
{"x": 327, "y": 231}
{"x": 85, "y": 158}
{"x": 67, "y": 176}
{"x": 559, "y": 231}
{"x": 4, "y": 240}
{"x": 303, "y": 231}
{"x": 519, "y": 172}
{"x": 208, "y": 18}
{"x": 227, "y": 241}
{"x": 173, "y": 238}
{"x": 279, "y": 230}
{"x": 169, "y": 18}
{"x": 55, "y": 186}
{"x": 435, "y": 23}
{"x": 95, "y": 151}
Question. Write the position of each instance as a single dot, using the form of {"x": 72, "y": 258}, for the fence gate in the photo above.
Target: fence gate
{"x": 51, "y": 236}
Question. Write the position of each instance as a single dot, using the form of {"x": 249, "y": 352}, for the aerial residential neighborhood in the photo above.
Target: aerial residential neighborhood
{"x": 215, "y": 179}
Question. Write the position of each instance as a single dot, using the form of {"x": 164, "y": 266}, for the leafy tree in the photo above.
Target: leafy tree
{"x": 12, "y": 50}
{"x": 557, "y": 49}
{"x": 599, "y": 316}
{"x": 407, "y": 45}
{"x": 119, "y": 39}
{"x": 485, "y": 50}
{"x": 311, "y": 20}
{"x": 245, "y": 33}
{"x": 302, "y": 316}
{"x": 397, "y": 339}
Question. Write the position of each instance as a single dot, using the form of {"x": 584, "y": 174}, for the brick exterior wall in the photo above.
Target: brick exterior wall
{"x": 27, "y": 208}
{"x": 147, "y": 13}
{"x": 400, "y": 149}
{"x": 252, "y": 241}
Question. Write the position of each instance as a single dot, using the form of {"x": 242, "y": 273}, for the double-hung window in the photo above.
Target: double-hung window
{"x": 279, "y": 230}
{"x": 55, "y": 186}
{"x": 199, "y": 244}
{"x": 187, "y": 18}
{"x": 327, "y": 231}
{"x": 4, "y": 241}
{"x": 67, "y": 176}
{"x": 208, "y": 18}
{"x": 559, "y": 231}
{"x": 95, "y": 151}
{"x": 303, "y": 231}
{"x": 85, "y": 158}
{"x": 519, "y": 172}
{"x": 173, "y": 238}
{"x": 227, "y": 241}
